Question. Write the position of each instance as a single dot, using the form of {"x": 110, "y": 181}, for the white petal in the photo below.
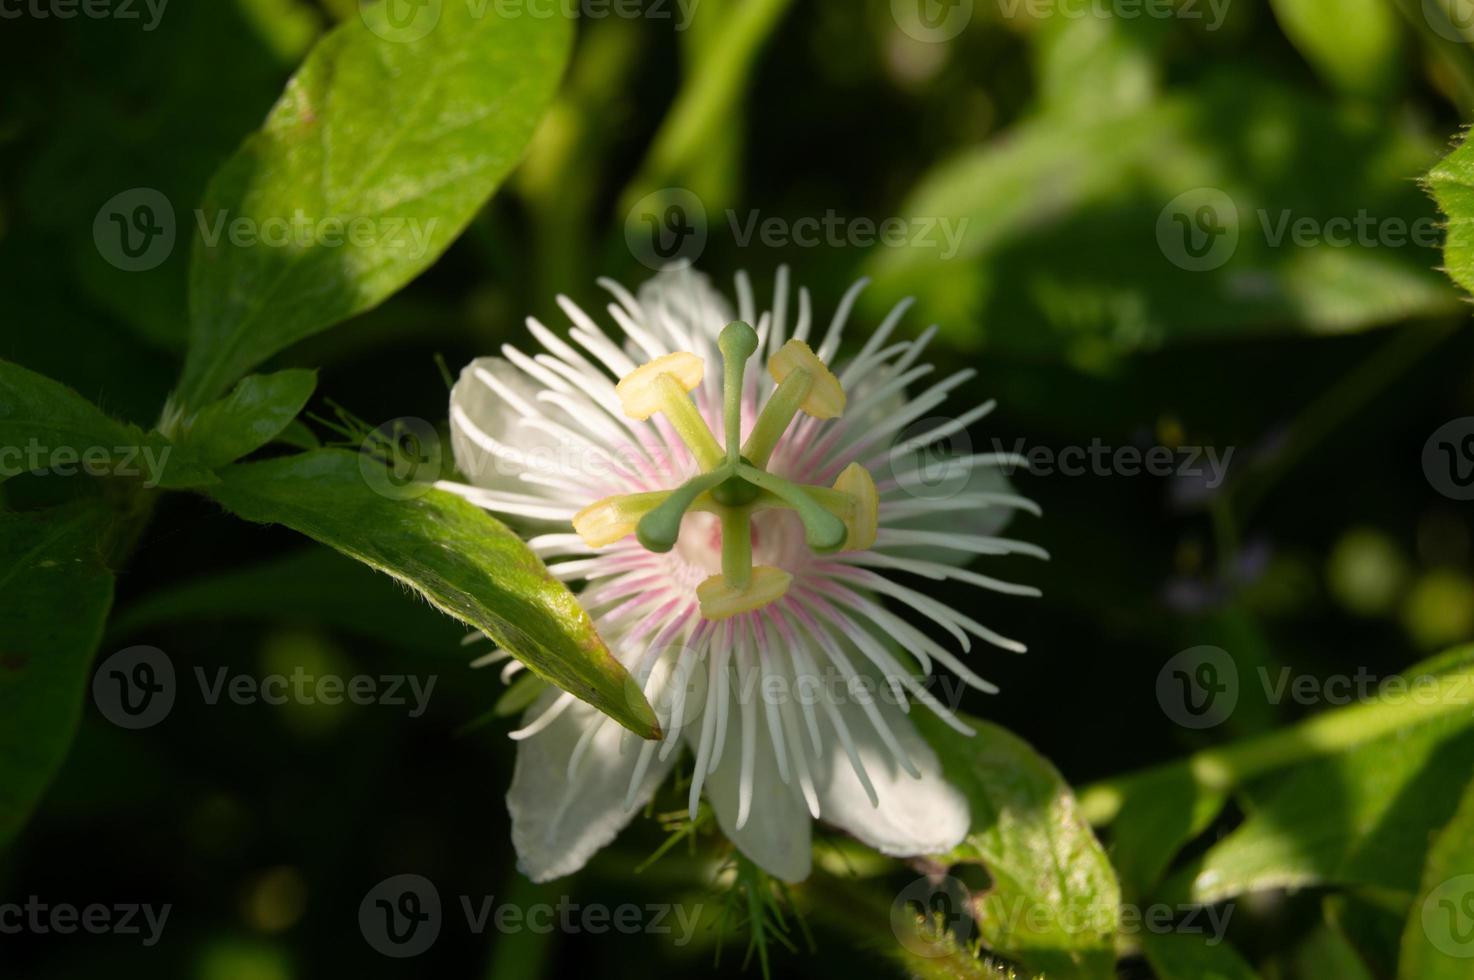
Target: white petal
{"x": 942, "y": 515}
{"x": 912, "y": 816}
{"x": 777, "y": 834}
{"x": 492, "y": 442}
{"x": 558, "y": 824}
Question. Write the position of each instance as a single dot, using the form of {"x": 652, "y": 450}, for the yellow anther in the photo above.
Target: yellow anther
{"x": 614, "y": 518}
{"x": 825, "y": 399}
{"x": 642, "y": 393}
{"x": 719, "y": 600}
{"x": 862, "y": 518}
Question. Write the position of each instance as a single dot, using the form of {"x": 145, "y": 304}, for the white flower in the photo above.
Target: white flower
{"x": 749, "y": 604}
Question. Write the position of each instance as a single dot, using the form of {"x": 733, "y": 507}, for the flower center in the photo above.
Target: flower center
{"x": 734, "y": 482}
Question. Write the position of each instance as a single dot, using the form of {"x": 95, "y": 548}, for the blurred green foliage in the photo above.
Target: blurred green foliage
{"x": 1203, "y": 227}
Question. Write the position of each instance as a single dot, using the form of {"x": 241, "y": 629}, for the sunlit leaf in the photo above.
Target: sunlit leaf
{"x": 1054, "y": 902}
{"x": 378, "y": 154}
{"x": 458, "y": 557}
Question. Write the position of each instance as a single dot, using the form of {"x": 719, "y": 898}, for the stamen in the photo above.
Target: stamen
{"x": 776, "y": 416}
{"x": 720, "y": 600}
{"x": 613, "y": 518}
{"x": 664, "y": 385}
{"x": 864, "y": 521}
{"x": 804, "y": 383}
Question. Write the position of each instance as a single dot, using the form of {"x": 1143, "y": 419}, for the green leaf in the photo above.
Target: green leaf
{"x": 1353, "y": 43}
{"x": 458, "y": 557}
{"x": 1054, "y": 903}
{"x": 1362, "y": 817}
{"x": 1092, "y": 62}
{"x": 46, "y": 426}
{"x": 1179, "y": 956}
{"x": 253, "y": 414}
{"x": 1162, "y": 812}
{"x": 55, "y": 592}
{"x": 1452, "y": 185}
{"x": 1438, "y": 942}
{"x": 1063, "y": 228}
{"x": 382, "y": 150}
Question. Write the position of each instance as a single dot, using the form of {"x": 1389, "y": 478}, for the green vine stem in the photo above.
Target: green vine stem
{"x": 708, "y": 97}
{"x": 1225, "y": 767}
